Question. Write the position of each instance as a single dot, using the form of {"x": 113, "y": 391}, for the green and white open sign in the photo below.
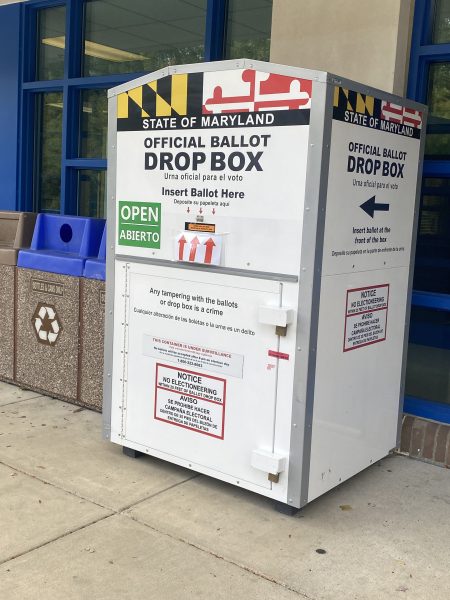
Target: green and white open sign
{"x": 140, "y": 224}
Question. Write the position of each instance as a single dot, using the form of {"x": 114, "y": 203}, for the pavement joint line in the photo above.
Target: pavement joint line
{"x": 111, "y": 511}
{"x": 58, "y": 487}
{"x": 123, "y": 512}
{"x": 59, "y": 537}
{"x": 158, "y": 493}
{"x": 259, "y": 574}
{"x": 116, "y": 511}
{"x": 22, "y": 400}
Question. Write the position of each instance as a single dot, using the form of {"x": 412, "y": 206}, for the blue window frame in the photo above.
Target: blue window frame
{"x": 71, "y": 86}
{"x": 73, "y": 167}
{"x": 428, "y": 370}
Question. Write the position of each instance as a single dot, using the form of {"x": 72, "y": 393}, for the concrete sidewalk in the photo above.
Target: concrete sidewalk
{"x": 79, "y": 520}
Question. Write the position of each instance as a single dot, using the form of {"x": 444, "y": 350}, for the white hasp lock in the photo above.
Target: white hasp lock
{"x": 270, "y": 462}
{"x": 279, "y": 316}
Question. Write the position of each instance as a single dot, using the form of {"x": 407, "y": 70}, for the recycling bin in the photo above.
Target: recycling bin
{"x": 48, "y": 300}
{"x": 16, "y": 230}
{"x": 262, "y": 227}
{"x": 92, "y": 325}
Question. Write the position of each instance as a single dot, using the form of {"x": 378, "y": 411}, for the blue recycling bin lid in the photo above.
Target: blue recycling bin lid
{"x": 95, "y": 268}
{"x": 61, "y": 244}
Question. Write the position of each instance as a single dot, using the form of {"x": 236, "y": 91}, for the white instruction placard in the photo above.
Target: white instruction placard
{"x": 214, "y": 147}
{"x": 374, "y": 153}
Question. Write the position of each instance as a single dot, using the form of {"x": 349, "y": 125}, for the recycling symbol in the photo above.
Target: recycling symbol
{"x": 46, "y": 323}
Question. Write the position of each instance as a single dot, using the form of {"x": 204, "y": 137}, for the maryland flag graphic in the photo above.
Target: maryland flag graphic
{"x": 199, "y": 94}
{"x": 360, "y": 109}
{"x": 173, "y": 96}
{"x": 355, "y": 101}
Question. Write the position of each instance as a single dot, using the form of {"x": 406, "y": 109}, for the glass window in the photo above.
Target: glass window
{"x": 91, "y": 193}
{"x": 94, "y": 123}
{"x": 441, "y": 25}
{"x": 142, "y": 36}
{"x": 249, "y": 26}
{"x": 432, "y": 269}
{"x": 437, "y": 145}
{"x": 48, "y": 147}
{"x": 51, "y": 42}
{"x": 428, "y": 366}
{"x": 438, "y": 130}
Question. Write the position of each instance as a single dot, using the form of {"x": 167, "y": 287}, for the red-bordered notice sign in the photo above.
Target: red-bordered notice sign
{"x": 366, "y": 316}
{"x": 190, "y": 400}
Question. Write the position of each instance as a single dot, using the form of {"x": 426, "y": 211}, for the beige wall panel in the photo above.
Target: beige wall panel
{"x": 364, "y": 40}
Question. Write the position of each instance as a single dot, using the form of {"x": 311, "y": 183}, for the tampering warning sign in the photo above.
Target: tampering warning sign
{"x": 190, "y": 400}
{"x": 366, "y": 316}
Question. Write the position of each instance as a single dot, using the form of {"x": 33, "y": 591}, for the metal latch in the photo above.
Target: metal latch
{"x": 279, "y": 316}
{"x": 271, "y": 463}
{"x": 281, "y": 330}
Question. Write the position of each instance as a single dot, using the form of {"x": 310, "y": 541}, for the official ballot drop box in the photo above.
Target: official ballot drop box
{"x": 261, "y": 231}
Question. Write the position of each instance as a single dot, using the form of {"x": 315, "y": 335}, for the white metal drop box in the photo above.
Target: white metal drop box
{"x": 262, "y": 223}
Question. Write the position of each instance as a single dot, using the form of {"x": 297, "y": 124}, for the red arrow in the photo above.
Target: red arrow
{"x": 209, "y": 250}
{"x": 181, "y": 242}
{"x": 195, "y": 242}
